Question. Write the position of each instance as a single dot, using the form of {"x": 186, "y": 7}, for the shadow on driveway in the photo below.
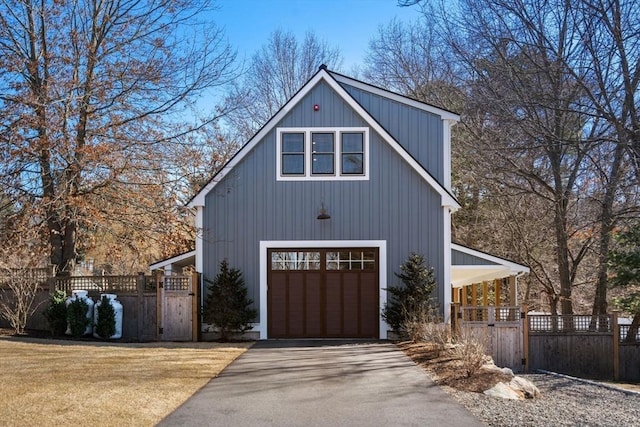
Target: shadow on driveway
{"x": 318, "y": 383}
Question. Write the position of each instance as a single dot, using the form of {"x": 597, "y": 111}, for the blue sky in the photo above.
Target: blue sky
{"x": 347, "y": 24}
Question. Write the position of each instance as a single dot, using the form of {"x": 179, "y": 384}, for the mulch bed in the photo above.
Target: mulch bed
{"x": 446, "y": 370}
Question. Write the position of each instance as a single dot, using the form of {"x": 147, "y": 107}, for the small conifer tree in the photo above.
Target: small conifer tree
{"x": 77, "y": 317}
{"x": 414, "y": 296}
{"x": 56, "y": 313}
{"x": 227, "y": 306}
{"x": 106, "y": 325}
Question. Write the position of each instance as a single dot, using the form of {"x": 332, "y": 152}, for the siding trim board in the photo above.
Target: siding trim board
{"x": 265, "y": 245}
{"x": 323, "y": 75}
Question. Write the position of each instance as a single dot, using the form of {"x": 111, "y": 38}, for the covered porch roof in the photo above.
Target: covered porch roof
{"x": 469, "y": 266}
{"x": 179, "y": 261}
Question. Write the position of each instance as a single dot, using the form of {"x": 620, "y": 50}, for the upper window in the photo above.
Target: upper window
{"x": 352, "y": 153}
{"x": 293, "y": 153}
{"x": 322, "y": 153}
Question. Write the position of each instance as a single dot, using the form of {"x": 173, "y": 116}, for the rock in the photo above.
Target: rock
{"x": 526, "y": 387}
{"x": 503, "y": 391}
{"x": 507, "y": 371}
{"x": 490, "y": 367}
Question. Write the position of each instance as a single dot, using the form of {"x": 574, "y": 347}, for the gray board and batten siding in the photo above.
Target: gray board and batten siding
{"x": 460, "y": 258}
{"x": 418, "y": 131}
{"x": 249, "y": 205}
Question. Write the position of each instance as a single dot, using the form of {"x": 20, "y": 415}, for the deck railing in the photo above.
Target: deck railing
{"x": 489, "y": 314}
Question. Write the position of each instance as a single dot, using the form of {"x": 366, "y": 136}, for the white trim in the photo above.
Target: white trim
{"x": 513, "y": 267}
{"x": 447, "y": 266}
{"x": 167, "y": 262}
{"x": 463, "y": 275}
{"x": 323, "y": 75}
{"x": 324, "y": 244}
{"x": 447, "y": 124}
{"x": 337, "y": 154}
{"x": 199, "y": 239}
{"x": 446, "y": 115}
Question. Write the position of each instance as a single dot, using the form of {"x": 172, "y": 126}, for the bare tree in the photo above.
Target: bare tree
{"x": 276, "y": 72}
{"x": 551, "y": 108}
{"x": 609, "y": 31}
{"x": 410, "y": 59}
{"x": 91, "y": 92}
{"x": 522, "y": 131}
{"x": 22, "y": 268}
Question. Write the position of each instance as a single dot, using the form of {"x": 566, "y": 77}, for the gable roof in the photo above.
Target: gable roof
{"x": 323, "y": 75}
{"x": 359, "y": 84}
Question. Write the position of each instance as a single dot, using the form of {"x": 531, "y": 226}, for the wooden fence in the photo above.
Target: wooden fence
{"x": 501, "y": 328}
{"x": 147, "y": 312}
{"x": 584, "y": 346}
{"x": 97, "y": 285}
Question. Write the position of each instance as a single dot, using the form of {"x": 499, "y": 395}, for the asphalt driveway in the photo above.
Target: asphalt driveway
{"x": 321, "y": 383}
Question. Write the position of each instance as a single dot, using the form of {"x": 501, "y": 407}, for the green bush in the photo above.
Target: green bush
{"x": 106, "y": 325}
{"x": 56, "y": 313}
{"x": 77, "y": 317}
{"x": 227, "y": 305}
{"x": 413, "y": 297}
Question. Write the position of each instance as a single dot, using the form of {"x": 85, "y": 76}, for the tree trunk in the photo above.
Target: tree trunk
{"x": 607, "y": 221}
{"x": 633, "y": 329}
{"x": 562, "y": 256}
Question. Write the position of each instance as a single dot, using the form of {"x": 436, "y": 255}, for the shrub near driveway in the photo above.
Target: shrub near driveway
{"x": 67, "y": 383}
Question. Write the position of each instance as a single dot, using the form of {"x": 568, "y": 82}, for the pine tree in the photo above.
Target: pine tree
{"x": 624, "y": 261}
{"x": 227, "y": 306}
{"x": 106, "y": 325}
{"x": 414, "y": 296}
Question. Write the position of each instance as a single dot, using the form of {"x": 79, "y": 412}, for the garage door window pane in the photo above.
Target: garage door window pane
{"x": 351, "y": 260}
{"x": 286, "y": 260}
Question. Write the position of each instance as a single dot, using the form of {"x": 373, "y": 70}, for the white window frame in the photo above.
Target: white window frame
{"x": 337, "y": 153}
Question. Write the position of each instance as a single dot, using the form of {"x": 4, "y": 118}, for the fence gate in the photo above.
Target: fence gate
{"x": 178, "y": 308}
{"x": 501, "y": 328}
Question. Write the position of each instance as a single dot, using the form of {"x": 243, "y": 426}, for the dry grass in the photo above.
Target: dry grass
{"x": 51, "y": 383}
{"x": 446, "y": 368}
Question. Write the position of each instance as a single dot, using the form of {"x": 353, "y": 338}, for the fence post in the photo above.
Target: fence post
{"x": 140, "y": 285}
{"x": 525, "y": 336}
{"x": 159, "y": 304}
{"x": 616, "y": 345}
{"x": 455, "y": 321}
{"x": 474, "y": 301}
{"x": 195, "y": 305}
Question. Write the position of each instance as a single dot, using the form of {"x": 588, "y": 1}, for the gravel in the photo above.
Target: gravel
{"x": 564, "y": 402}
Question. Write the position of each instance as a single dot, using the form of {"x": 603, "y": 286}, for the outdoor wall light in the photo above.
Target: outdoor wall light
{"x": 323, "y": 214}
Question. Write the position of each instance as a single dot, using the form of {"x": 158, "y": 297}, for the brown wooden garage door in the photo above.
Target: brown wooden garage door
{"x": 323, "y": 293}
